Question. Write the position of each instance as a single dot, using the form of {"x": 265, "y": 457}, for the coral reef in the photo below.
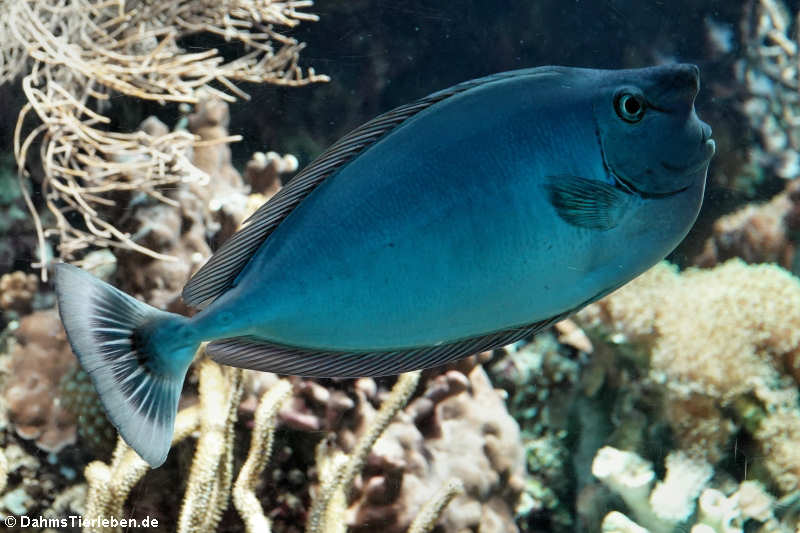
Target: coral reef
{"x": 503, "y": 441}
{"x": 17, "y": 290}
{"x": 768, "y": 71}
{"x": 684, "y": 497}
{"x": 540, "y": 378}
{"x": 458, "y": 428}
{"x": 757, "y": 233}
{"x": 101, "y": 51}
{"x": 198, "y": 213}
{"x": 39, "y": 359}
{"x": 210, "y": 482}
{"x": 737, "y": 369}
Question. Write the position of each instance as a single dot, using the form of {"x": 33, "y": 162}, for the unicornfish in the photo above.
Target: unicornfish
{"x": 461, "y": 222}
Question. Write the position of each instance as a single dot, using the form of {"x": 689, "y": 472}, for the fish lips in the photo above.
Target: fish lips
{"x": 707, "y": 149}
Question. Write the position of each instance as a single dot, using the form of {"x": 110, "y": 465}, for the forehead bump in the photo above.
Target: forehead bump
{"x": 673, "y": 86}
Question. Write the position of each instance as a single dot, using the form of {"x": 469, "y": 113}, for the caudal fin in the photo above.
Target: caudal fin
{"x": 136, "y": 355}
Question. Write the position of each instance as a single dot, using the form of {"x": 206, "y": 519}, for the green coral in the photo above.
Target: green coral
{"x": 540, "y": 378}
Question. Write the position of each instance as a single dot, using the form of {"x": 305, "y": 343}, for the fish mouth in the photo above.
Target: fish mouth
{"x": 708, "y": 147}
{"x": 628, "y": 187}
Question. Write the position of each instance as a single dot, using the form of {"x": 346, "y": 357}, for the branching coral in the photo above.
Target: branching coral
{"x": 769, "y": 71}
{"x": 670, "y": 503}
{"x": 426, "y": 519}
{"x": 736, "y": 367}
{"x": 209, "y": 485}
{"x": 263, "y": 171}
{"x": 208, "y": 488}
{"x": 456, "y": 428}
{"x": 82, "y": 51}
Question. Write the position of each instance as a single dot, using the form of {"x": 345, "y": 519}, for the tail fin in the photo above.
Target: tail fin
{"x": 136, "y": 355}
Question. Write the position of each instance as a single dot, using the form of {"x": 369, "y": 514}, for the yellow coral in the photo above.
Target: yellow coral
{"x": 109, "y": 485}
{"x": 81, "y": 52}
{"x": 3, "y": 471}
{"x": 209, "y": 485}
{"x": 244, "y": 497}
{"x": 716, "y": 338}
{"x": 17, "y": 290}
{"x": 427, "y": 517}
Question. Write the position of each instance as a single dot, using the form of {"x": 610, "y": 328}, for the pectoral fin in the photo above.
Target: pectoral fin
{"x": 586, "y": 203}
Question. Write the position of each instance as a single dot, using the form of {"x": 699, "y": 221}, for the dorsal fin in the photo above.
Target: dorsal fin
{"x": 221, "y": 270}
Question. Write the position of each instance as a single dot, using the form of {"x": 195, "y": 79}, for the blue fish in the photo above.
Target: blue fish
{"x": 461, "y": 222}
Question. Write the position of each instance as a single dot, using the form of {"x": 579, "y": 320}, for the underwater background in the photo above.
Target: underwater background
{"x": 145, "y": 133}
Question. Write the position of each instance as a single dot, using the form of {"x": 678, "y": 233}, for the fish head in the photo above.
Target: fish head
{"x": 651, "y": 138}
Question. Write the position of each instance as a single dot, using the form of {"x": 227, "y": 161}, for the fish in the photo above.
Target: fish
{"x": 461, "y": 222}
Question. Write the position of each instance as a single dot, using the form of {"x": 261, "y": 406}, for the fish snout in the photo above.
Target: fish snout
{"x": 687, "y": 77}
{"x": 679, "y": 85}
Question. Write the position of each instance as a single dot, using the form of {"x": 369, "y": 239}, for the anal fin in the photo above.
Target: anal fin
{"x": 256, "y": 354}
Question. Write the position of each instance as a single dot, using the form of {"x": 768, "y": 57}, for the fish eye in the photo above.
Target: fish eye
{"x": 629, "y": 106}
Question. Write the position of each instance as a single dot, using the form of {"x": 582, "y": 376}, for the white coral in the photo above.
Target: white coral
{"x": 672, "y": 502}
{"x": 673, "y": 499}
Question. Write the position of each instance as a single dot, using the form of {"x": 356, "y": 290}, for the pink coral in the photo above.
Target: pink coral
{"x": 459, "y": 428}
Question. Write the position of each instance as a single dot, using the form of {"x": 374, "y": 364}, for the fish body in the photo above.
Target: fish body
{"x": 444, "y": 230}
{"x": 461, "y": 222}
